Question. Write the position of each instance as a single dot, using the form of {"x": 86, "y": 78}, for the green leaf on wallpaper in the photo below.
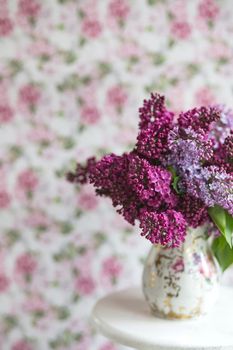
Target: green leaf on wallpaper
{"x": 81, "y": 250}
{"x": 61, "y": 26}
{"x": 9, "y": 322}
{"x": 81, "y": 14}
{"x": 160, "y": 84}
{"x": 62, "y": 312}
{"x": 61, "y": 114}
{"x": 224, "y": 222}
{"x": 158, "y": 58}
{"x": 99, "y": 238}
{"x": 64, "y": 339}
{"x": 70, "y": 82}
{"x": 170, "y": 15}
{"x": 63, "y": 1}
{"x": 68, "y": 142}
{"x": 152, "y": 2}
{"x": 12, "y": 236}
{"x": 171, "y": 42}
{"x": 133, "y": 59}
{"x": 223, "y": 60}
{"x": 69, "y": 252}
{"x": 192, "y": 69}
{"x": 174, "y": 81}
{"x": 104, "y": 68}
{"x": 15, "y": 66}
{"x": 70, "y": 57}
{"x": 15, "y": 152}
{"x": 82, "y": 41}
{"x": 86, "y": 79}
{"x": 222, "y": 252}
{"x": 210, "y": 23}
{"x": 44, "y": 58}
{"x": 66, "y": 227}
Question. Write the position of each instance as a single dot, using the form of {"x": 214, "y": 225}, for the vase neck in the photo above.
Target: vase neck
{"x": 198, "y": 234}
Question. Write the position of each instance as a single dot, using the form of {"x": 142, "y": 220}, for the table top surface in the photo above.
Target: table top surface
{"x": 125, "y": 318}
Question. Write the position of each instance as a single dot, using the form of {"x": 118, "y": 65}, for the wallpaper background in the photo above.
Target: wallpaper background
{"x": 72, "y": 77}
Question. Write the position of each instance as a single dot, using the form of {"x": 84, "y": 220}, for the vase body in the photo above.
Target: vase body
{"x": 182, "y": 283}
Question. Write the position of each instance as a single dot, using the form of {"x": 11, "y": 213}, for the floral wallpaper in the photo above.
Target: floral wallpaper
{"x": 73, "y": 74}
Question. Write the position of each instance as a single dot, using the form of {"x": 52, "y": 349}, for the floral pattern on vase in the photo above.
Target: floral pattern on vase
{"x": 182, "y": 283}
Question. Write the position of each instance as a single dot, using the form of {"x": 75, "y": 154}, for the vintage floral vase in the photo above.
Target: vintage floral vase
{"x": 182, "y": 283}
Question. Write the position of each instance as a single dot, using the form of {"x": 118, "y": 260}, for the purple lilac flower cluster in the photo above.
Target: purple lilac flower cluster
{"x": 177, "y": 170}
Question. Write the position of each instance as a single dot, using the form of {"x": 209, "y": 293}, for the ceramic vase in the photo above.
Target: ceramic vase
{"x": 182, "y": 283}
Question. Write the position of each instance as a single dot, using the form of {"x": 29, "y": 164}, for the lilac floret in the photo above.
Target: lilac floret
{"x": 167, "y": 228}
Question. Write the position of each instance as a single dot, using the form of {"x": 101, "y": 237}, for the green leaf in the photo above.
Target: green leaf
{"x": 175, "y": 184}
{"x": 222, "y": 252}
{"x": 229, "y": 228}
{"x": 224, "y": 222}
{"x": 218, "y": 217}
{"x": 175, "y": 179}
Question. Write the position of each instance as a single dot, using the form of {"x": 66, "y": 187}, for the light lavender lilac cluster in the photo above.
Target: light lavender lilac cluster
{"x": 176, "y": 171}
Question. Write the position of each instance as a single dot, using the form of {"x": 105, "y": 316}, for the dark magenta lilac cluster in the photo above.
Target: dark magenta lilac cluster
{"x": 178, "y": 169}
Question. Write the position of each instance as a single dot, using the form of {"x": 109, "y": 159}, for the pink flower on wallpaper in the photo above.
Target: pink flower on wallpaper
{"x": 111, "y": 267}
{"x": 205, "y": 97}
{"x": 119, "y": 9}
{"x": 27, "y": 180}
{"x": 5, "y": 199}
{"x": 116, "y": 96}
{"x": 41, "y": 133}
{"x": 85, "y": 285}
{"x": 91, "y": 28}
{"x": 29, "y": 8}
{"x": 29, "y": 94}
{"x": 35, "y": 303}
{"x": 220, "y": 50}
{"x": 4, "y": 283}
{"x": 41, "y": 48}
{"x": 178, "y": 9}
{"x": 37, "y": 219}
{"x": 6, "y": 26}
{"x": 181, "y": 30}
{"x": 21, "y": 345}
{"x": 83, "y": 262}
{"x": 208, "y": 9}
{"x": 90, "y": 115}
{"x": 6, "y": 113}
{"x": 87, "y": 200}
{"x": 129, "y": 49}
{"x": 26, "y": 264}
{"x": 108, "y": 346}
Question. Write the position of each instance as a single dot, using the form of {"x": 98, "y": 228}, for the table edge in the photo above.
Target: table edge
{"x": 112, "y": 334}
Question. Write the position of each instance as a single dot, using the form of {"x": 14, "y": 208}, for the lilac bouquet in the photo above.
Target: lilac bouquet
{"x": 179, "y": 175}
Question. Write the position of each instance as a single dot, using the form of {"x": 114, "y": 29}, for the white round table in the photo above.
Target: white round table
{"x": 125, "y": 318}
